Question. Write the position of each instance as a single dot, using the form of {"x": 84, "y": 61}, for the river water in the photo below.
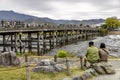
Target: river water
{"x": 112, "y": 43}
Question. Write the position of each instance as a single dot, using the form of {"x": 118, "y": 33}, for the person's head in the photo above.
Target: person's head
{"x": 102, "y": 45}
{"x": 91, "y": 43}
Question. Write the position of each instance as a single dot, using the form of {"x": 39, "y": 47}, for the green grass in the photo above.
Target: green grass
{"x": 19, "y": 73}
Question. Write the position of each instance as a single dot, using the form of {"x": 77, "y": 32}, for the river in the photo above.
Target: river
{"x": 112, "y": 42}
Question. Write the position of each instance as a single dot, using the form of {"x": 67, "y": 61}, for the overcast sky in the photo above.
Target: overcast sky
{"x": 64, "y": 9}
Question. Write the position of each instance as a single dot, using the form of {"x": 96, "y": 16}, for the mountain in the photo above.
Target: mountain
{"x": 11, "y": 15}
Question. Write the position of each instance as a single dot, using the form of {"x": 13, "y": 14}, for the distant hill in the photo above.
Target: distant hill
{"x": 11, "y": 15}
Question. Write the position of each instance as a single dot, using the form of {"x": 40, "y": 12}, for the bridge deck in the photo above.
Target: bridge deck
{"x": 37, "y": 29}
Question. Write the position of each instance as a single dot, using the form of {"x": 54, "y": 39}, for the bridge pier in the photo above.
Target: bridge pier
{"x": 11, "y": 42}
{"x": 38, "y": 43}
{"x": 29, "y": 43}
{"x": 4, "y": 42}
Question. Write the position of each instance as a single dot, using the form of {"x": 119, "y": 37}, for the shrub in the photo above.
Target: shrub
{"x": 62, "y": 54}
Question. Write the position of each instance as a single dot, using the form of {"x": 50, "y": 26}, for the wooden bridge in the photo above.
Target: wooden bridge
{"x": 42, "y": 38}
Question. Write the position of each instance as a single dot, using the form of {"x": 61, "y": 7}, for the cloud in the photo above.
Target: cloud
{"x": 64, "y": 9}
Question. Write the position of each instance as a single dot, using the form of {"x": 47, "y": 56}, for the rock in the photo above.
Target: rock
{"x": 9, "y": 58}
{"x": 93, "y": 72}
{"x": 114, "y": 50}
{"x": 46, "y": 62}
{"x": 67, "y": 79}
{"x": 77, "y": 78}
{"x": 45, "y": 69}
{"x": 114, "y": 55}
{"x": 13, "y": 54}
{"x": 47, "y": 66}
{"x": 98, "y": 68}
{"x": 83, "y": 77}
{"x": 58, "y": 67}
{"x": 108, "y": 68}
{"x": 88, "y": 74}
{"x": 103, "y": 68}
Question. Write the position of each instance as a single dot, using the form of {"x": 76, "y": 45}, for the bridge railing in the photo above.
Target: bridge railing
{"x": 49, "y": 27}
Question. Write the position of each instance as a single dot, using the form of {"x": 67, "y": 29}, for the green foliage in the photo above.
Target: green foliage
{"x": 19, "y": 54}
{"x": 112, "y": 23}
{"x": 32, "y": 53}
{"x": 62, "y": 54}
{"x": 104, "y": 26}
{"x": 103, "y": 31}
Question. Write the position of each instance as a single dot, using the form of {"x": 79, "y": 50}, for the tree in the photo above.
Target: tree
{"x": 102, "y": 31}
{"x": 81, "y": 24}
{"x": 112, "y": 23}
{"x": 104, "y": 26}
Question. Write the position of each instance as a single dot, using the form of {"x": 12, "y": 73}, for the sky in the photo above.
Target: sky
{"x": 64, "y": 9}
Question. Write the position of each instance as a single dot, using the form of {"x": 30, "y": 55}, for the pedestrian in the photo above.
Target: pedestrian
{"x": 103, "y": 52}
{"x": 92, "y": 54}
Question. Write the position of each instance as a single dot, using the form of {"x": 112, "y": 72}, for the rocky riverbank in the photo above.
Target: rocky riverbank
{"x": 112, "y": 42}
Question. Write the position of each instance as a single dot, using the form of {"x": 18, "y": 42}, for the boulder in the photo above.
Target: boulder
{"x": 47, "y": 66}
{"x": 58, "y": 67}
{"x": 108, "y": 68}
{"x": 77, "y": 78}
{"x": 103, "y": 68}
{"x": 9, "y": 59}
{"x": 44, "y": 69}
{"x": 46, "y": 62}
{"x": 98, "y": 68}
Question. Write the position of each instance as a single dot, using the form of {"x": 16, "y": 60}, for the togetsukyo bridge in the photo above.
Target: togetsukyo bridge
{"x": 42, "y": 38}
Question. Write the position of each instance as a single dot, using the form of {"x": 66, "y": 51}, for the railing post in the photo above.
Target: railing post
{"x": 81, "y": 62}
{"x": 68, "y": 66}
{"x": 27, "y": 68}
{"x": 55, "y": 58}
